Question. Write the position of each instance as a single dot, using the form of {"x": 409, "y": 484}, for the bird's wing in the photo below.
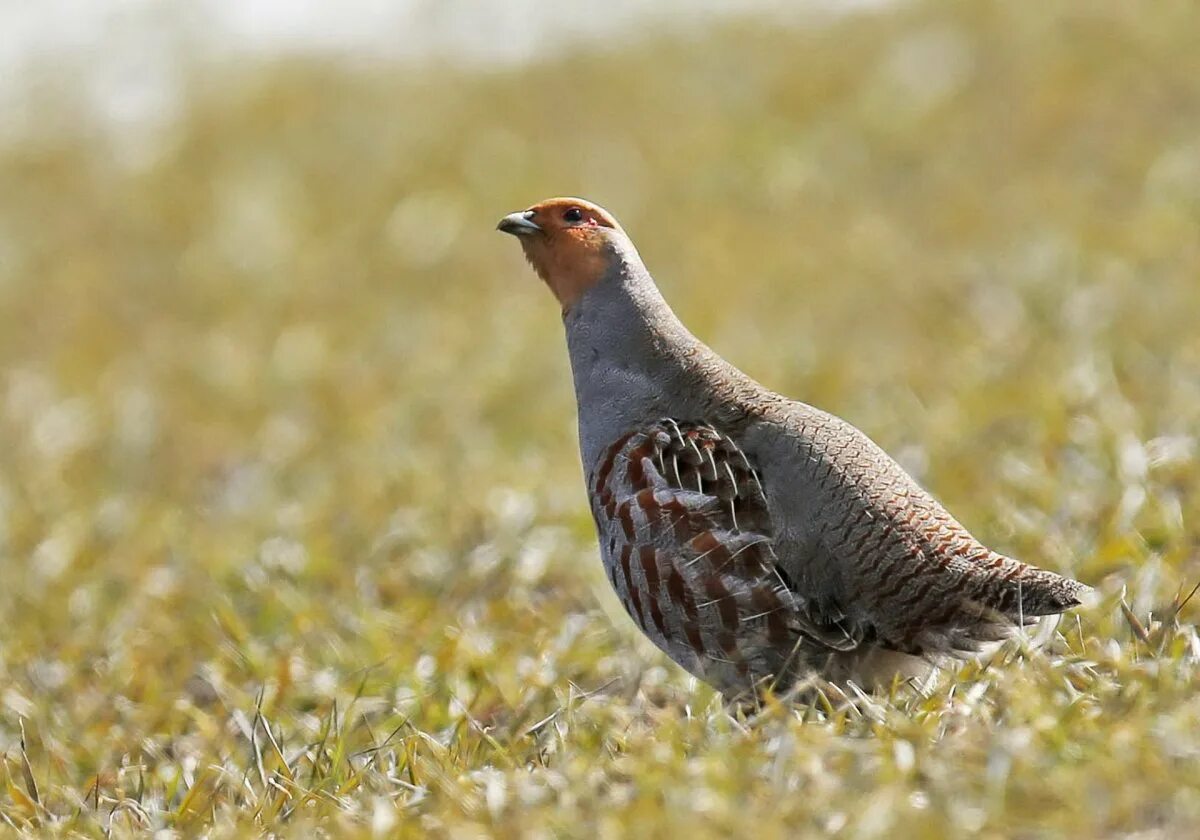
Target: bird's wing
{"x": 907, "y": 573}
{"x": 689, "y": 547}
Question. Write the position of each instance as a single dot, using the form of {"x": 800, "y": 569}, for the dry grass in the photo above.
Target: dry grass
{"x": 292, "y": 534}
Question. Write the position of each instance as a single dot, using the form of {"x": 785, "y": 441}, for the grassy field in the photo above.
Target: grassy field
{"x": 292, "y": 527}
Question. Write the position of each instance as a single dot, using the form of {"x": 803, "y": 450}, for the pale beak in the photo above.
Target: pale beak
{"x": 519, "y": 224}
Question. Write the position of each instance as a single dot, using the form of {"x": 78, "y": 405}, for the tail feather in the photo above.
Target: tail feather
{"x": 1046, "y": 593}
{"x": 1011, "y": 596}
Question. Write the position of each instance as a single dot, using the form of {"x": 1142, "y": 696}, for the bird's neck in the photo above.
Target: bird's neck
{"x": 634, "y": 362}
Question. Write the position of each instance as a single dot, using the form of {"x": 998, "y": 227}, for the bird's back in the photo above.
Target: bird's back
{"x": 876, "y": 550}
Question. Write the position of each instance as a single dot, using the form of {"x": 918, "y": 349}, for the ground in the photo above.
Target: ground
{"x": 292, "y": 526}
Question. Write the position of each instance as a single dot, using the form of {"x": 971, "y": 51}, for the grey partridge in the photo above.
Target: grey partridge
{"x": 755, "y": 539}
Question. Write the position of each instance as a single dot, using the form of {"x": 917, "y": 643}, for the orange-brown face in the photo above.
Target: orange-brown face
{"x": 565, "y": 240}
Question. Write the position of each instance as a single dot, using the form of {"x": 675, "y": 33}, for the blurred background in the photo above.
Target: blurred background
{"x": 285, "y": 424}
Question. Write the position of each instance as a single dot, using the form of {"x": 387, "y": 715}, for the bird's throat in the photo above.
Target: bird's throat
{"x": 568, "y": 271}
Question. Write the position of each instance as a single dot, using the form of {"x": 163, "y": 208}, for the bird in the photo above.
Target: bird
{"x": 760, "y": 542}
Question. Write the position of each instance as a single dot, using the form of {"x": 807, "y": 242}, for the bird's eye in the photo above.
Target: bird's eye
{"x": 573, "y": 215}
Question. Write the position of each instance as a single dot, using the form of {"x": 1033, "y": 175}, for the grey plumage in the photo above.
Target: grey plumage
{"x": 802, "y": 546}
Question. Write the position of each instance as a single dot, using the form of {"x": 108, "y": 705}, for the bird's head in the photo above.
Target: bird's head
{"x": 571, "y": 244}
